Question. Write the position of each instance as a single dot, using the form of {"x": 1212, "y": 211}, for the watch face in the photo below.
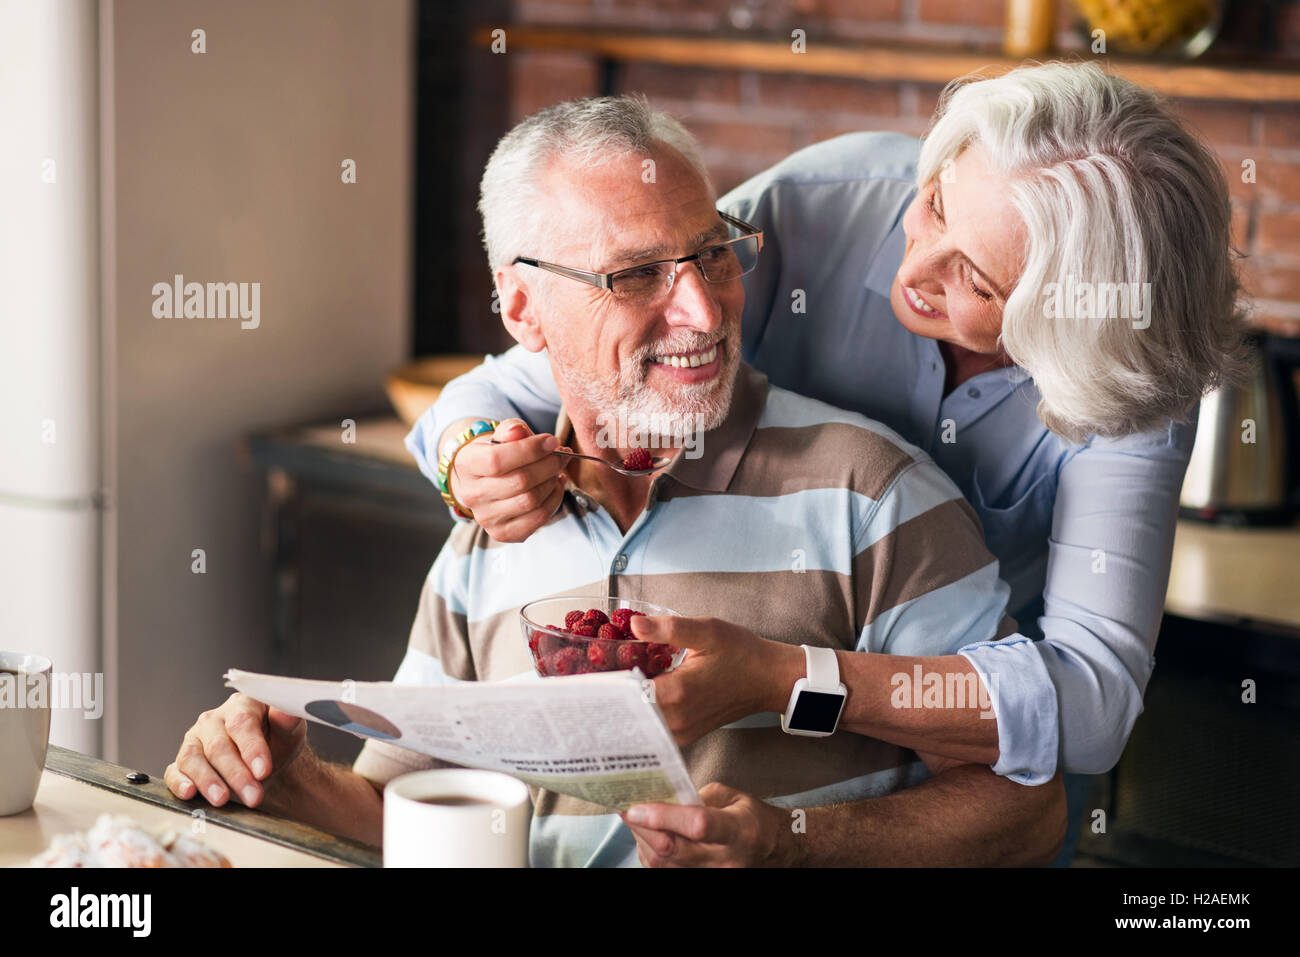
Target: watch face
{"x": 816, "y": 711}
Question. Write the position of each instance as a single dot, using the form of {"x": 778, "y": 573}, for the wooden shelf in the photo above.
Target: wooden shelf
{"x": 894, "y": 63}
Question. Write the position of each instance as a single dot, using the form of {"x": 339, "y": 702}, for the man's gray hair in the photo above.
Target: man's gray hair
{"x": 1115, "y": 193}
{"x": 588, "y": 132}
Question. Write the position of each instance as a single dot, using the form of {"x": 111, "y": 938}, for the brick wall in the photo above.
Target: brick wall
{"x": 746, "y": 120}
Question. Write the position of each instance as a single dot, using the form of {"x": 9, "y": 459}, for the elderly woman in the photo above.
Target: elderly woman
{"x": 1037, "y": 294}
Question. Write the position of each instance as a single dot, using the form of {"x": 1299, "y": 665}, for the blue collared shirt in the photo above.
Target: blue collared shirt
{"x": 1083, "y": 534}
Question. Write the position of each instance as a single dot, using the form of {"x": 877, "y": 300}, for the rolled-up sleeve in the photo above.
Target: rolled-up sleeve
{"x": 1024, "y": 700}
{"x": 1070, "y": 700}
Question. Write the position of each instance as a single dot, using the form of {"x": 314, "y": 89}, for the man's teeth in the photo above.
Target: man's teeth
{"x": 691, "y": 361}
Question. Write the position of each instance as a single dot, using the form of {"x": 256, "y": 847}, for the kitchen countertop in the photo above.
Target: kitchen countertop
{"x": 1236, "y": 572}
{"x": 77, "y": 788}
{"x": 64, "y": 806}
{"x": 375, "y": 459}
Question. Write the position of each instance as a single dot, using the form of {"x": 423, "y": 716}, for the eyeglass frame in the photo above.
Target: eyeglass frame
{"x": 605, "y": 280}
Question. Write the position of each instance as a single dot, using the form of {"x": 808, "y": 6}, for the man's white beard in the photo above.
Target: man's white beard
{"x": 679, "y": 411}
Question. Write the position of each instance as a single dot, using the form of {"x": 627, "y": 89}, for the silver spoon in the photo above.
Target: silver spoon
{"x": 655, "y": 463}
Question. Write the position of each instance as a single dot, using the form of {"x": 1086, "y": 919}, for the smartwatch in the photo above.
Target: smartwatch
{"x": 817, "y": 700}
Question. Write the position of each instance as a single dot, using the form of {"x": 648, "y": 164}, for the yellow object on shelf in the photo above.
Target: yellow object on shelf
{"x": 1029, "y": 27}
{"x": 1148, "y": 26}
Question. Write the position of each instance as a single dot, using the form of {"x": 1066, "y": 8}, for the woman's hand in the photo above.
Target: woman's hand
{"x": 728, "y": 673}
{"x": 513, "y": 487}
{"x": 733, "y": 829}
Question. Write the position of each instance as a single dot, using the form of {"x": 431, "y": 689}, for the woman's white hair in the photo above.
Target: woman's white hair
{"x": 588, "y": 132}
{"x": 1113, "y": 189}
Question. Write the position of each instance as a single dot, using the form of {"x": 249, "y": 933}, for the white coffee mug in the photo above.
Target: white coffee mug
{"x": 24, "y": 727}
{"x": 480, "y": 819}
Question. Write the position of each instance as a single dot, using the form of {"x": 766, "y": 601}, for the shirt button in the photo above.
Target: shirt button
{"x": 973, "y": 392}
{"x": 620, "y": 563}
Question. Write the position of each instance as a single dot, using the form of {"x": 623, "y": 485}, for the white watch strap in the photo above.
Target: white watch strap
{"x": 823, "y": 668}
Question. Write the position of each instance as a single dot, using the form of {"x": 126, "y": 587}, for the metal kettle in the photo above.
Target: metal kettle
{"x": 1242, "y": 469}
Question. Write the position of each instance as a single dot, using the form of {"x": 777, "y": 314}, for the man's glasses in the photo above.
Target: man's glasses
{"x": 649, "y": 282}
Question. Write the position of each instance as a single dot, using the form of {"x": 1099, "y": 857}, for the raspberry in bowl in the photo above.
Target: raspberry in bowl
{"x": 585, "y": 634}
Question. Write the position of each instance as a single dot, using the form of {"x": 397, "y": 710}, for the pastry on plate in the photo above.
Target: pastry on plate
{"x": 117, "y": 841}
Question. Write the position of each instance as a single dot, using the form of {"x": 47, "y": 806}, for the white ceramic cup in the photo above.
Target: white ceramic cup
{"x": 489, "y": 831}
{"x": 24, "y": 731}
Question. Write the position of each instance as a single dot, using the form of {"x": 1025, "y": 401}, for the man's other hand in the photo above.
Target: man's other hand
{"x": 733, "y": 829}
{"x": 233, "y": 749}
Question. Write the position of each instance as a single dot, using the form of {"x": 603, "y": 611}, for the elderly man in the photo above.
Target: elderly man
{"x": 777, "y": 513}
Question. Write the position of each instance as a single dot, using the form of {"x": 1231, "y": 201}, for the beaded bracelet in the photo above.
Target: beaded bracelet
{"x": 445, "y": 463}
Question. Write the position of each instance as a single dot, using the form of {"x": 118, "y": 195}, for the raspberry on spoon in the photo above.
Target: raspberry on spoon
{"x": 638, "y": 460}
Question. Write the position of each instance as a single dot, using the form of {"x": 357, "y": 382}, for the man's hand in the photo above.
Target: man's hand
{"x": 728, "y": 673}
{"x": 513, "y": 487}
{"x": 234, "y": 748}
{"x": 731, "y": 830}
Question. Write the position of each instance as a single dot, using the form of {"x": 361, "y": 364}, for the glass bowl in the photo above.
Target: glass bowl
{"x": 558, "y": 651}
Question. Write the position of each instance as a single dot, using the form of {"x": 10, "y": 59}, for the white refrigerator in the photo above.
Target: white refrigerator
{"x": 51, "y": 396}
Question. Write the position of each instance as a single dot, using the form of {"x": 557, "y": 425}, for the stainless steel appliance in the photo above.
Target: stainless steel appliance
{"x": 1243, "y": 467}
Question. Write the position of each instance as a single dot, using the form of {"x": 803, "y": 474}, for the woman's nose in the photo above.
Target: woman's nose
{"x": 914, "y": 269}
{"x": 920, "y": 266}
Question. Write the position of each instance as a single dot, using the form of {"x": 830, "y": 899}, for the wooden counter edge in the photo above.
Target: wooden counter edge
{"x": 250, "y": 821}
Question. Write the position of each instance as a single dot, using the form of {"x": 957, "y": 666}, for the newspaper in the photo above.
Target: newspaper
{"x": 596, "y": 737}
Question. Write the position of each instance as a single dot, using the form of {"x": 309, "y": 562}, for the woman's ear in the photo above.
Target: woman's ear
{"x": 519, "y": 311}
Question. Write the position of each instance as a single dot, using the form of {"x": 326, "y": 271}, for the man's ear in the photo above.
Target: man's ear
{"x": 519, "y": 310}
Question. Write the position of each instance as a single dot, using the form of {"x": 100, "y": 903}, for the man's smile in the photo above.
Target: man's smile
{"x": 698, "y": 366}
